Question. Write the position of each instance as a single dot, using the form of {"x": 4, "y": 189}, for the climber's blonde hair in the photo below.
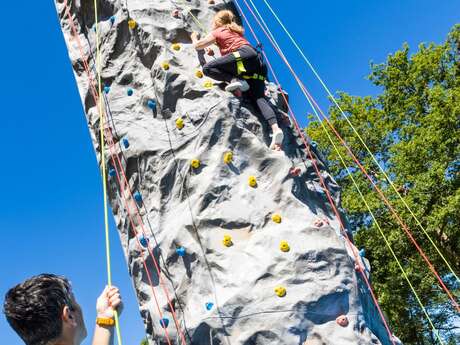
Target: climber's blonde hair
{"x": 227, "y": 18}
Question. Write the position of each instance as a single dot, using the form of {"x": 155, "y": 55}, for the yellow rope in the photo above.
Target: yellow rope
{"x": 103, "y": 167}
{"x": 360, "y": 138}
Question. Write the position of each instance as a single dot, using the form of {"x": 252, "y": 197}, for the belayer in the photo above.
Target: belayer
{"x": 239, "y": 65}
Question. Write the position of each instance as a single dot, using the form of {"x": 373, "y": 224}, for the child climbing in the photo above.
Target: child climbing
{"x": 239, "y": 65}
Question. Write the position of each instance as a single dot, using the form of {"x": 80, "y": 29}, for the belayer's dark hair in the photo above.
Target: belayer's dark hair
{"x": 34, "y": 308}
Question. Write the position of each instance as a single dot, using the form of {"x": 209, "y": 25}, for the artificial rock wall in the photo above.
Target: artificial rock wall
{"x": 240, "y": 262}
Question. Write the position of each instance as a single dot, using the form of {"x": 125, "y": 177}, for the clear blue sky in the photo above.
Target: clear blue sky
{"x": 51, "y": 210}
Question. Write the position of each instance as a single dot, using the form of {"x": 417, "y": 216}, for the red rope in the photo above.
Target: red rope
{"x": 350, "y": 153}
{"x": 111, "y": 146}
{"x": 299, "y": 131}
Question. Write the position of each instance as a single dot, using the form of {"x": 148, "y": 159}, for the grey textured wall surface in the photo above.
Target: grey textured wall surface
{"x": 220, "y": 294}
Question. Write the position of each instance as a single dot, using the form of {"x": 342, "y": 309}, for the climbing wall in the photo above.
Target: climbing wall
{"x": 227, "y": 242}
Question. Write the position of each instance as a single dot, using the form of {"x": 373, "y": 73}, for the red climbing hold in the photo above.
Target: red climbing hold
{"x": 342, "y": 320}
{"x": 295, "y": 171}
{"x": 175, "y": 13}
{"x": 321, "y": 222}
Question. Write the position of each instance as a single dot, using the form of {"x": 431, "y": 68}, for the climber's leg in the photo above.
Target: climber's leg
{"x": 222, "y": 68}
{"x": 257, "y": 94}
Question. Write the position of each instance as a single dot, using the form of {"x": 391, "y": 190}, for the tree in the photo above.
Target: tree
{"x": 144, "y": 341}
{"x": 413, "y": 128}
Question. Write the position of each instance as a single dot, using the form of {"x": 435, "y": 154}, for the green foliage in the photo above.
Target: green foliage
{"x": 144, "y": 342}
{"x": 413, "y": 128}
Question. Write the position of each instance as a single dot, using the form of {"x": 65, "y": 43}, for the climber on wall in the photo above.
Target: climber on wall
{"x": 239, "y": 65}
{"x": 43, "y": 310}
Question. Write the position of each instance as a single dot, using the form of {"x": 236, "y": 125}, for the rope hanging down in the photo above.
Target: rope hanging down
{"x": 103, "y": 168}
{"x": 311, "y": 100}
{"x": 111, "y": 146}
{"x": 387, "y": 178}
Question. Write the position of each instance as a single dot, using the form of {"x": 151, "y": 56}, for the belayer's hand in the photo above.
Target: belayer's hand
{"x": 108, "y": 301}
{"x": 194, "y": 36}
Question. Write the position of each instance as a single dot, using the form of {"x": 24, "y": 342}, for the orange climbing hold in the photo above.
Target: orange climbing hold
{"x": 179, "y": 123}
{"x": 165, "y": 65}
{"x": 276, "y": 218}
{"x": 252, "y": 181}
{"x": 211, "y": 2}
{"x": 228, "y": 157}
{"x": 132, "y": 24}
{"x": 210, "y": 52}
{"x": 176, "y": 46}
{"x": 280, "y": 291}
{"x": 342, "y": 320}
{"x": 199, "y": 73}
{"x": 284, "y": 246}
{"x": 195, "y": 163}
{"x": 227, "y": 241}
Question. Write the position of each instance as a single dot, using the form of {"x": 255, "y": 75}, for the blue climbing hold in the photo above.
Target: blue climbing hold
{"x": 209, "y": 305}
{"x": 314, "y": 144}
{"x": 112, "y": 19}
{"x": 164, "y": 322}
{"x": 125, "y": 143}
{"x": 112, "y": 172}
{"x": 152, "y": 104}
{"x": 180, "y": 251}
{"x": 143, "y": 241}
{"x": 138, "y": 197}
{"x": 362, "y": 252}
{"x": 106, "y": 89}
{"x": 130, "y": 92}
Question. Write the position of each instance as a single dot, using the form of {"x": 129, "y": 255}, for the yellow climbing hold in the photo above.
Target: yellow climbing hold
{"x": 176, "y": 46}
{"x": 195, "y": 163}
{"x": 208, "y": 84}
{"x": 179, "y": 123}
{"x": 228, "y": 157}
{"x": 199, "y": 73}
{"x": 165, "y": 65}
{"x": 227, "y": 241}
{"x": 132, "y": 24}
{"x": 280, "y": 291}
{"x": 252, "y": 181}
{"x": 284, "y": 246}
{"x": 276, "y": 218}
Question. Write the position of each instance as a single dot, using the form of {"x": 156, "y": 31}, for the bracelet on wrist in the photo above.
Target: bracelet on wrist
{"x": 105, "y": 321}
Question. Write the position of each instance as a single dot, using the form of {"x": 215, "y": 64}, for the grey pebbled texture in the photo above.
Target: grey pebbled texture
{"x": 195, "y": 208}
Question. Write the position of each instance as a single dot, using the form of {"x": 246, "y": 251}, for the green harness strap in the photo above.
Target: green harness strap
{"x": 239, "y": 63}
{"x": 241, "y": 69}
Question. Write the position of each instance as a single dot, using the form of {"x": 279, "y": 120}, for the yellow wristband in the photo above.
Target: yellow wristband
{"x": 102, "y": 321}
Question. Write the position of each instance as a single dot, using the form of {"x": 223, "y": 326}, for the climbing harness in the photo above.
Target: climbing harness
{"x": 241, "y": 69}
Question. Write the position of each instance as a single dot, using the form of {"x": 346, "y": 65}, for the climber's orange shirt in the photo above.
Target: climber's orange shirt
{"x": 228, "y": 41}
